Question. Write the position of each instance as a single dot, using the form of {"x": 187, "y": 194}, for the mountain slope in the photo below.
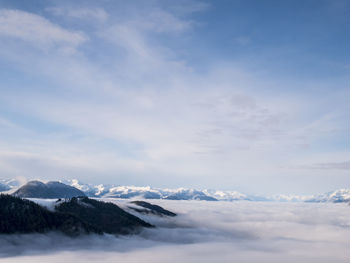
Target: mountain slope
{"x": 4, "y": 187}
{"x": 130, "y": 192}
{"x": 147, "y": 208}
{"x": 24, "y": 216}
{"x": 8, "y": 184}
{"x": 107, "y": 217}
{"x": 71, "y": 217}
{"x": 338, "y": 196}
{"x": 127, "y": 192}
{"x": 37, "y": 189}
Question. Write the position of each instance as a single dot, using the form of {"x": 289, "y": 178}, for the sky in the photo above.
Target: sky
{"x": 232, "y": 95}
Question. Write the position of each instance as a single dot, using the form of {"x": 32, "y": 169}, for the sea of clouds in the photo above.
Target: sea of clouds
{"x": 205, "y": 232}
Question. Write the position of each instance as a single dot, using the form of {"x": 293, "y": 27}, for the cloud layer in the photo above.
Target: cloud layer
{"x": 205, "y": 231}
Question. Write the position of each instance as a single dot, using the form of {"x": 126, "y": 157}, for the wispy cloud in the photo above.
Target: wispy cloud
{"x": 330, "y": 165}
{"x": 80, "y": 13}
{"x": 129, "y": 89}
{"x": 37, "y": 30}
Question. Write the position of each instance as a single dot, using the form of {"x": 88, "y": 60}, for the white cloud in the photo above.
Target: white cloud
{"x": 206, "y": 232}
{"x": 160, "y": 21}
{"x": 6, "y": 123}
{"x": 80, "y": 13}
{"x": 162, "y": 116}
{"x": 37, "y": 30}
{"x": 335, "y": 165}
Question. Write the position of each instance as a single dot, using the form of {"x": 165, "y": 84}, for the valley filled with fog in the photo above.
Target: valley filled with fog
{"x": 204, "y": 231}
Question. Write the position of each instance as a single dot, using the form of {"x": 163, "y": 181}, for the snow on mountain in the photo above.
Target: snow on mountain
{"x": 4, "y": 187}
{"x": 338, "y": 196}
{"x": 10, "y": 183}
{"x": 226, "y": 195}
{"x": 126, "y": 192}
{"x": 147, "y": 192}
{"x": 134, "y": 191}
{"x": 188, "y": 194}
{"x": 112, "y": 191}
{"x": 89, "y": 189}
{"x": 53, "y": 189}
{"x": 8, "y": 186}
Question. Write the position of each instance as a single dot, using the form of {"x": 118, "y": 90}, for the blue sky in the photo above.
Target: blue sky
{"x": 240, "y": 95}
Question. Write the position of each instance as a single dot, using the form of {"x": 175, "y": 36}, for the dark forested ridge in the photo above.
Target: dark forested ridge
{"x": 23, "y": 216}
{"x": 107, "y": 217}
{"x": 151, "y": 209}
{"x": 72, "y": 217}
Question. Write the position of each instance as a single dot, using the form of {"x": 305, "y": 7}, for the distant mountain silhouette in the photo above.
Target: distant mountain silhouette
{"x": 190, "y": 195}
{"x": 37, "y": 189}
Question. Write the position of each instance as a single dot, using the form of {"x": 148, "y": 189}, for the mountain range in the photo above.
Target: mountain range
{"x": 71, "y": 188}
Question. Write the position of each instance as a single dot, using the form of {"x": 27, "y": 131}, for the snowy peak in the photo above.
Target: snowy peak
{"x": 37, "y": 189}
{"x": 133, "y": 192}
{"x": 4, "y": 187}
{"x": 8, "y": 184}
{"x": 89, "y": 189}
{"x": 338, "y": 196}
{"x": 147, "y": 192}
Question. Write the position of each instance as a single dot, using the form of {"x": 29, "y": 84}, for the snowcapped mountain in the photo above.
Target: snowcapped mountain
{"x": 338, "y": 196}
{"x": 226, "y": 195}
{"x": 37, "y": 189}
{"x": 147, "y": 192}
{"x": 8, "y": 184}
{"x": 4, "y": 187}
{"x": 134, "y": 191}
{"x": 126, "y": 192}
{"x": 89, "y": 189}
{"x": 111, "y": 191}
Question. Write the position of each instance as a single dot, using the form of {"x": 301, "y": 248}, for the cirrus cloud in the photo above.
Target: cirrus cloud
{"x": 37, "y": 30}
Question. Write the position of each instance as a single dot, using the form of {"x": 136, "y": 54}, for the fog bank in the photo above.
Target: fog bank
{"x": 206, "y": 232}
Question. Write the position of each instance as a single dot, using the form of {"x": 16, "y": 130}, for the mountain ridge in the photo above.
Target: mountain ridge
{"x": 147, "y": 192}
{"x": 72, "y": 217}
{"x": 52, "y": 189}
